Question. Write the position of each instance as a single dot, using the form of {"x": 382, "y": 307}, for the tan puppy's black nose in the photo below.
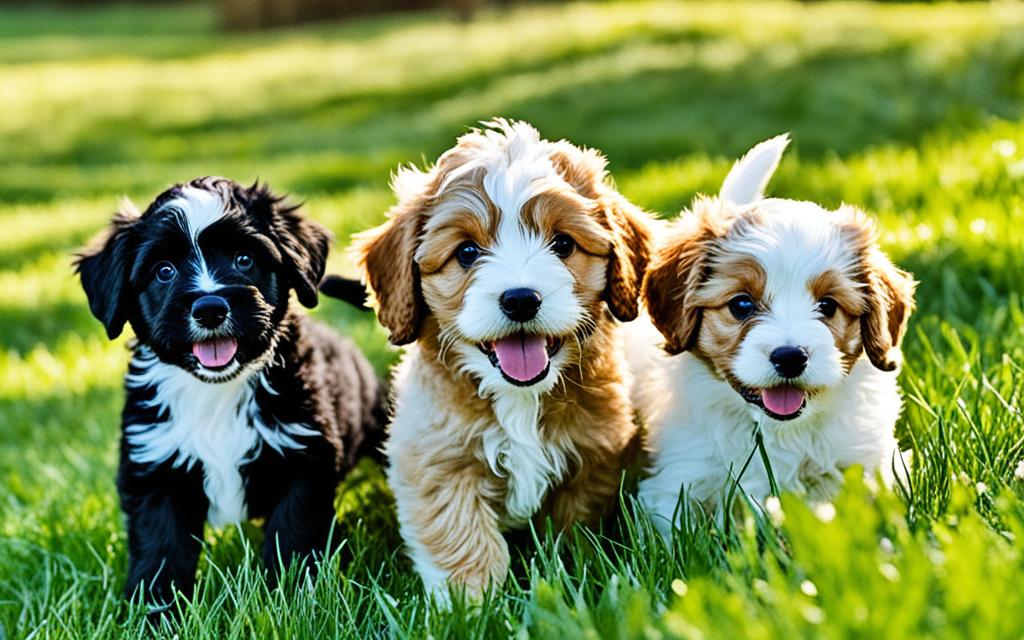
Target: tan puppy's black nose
{"x": 789, "y": 362}
{"x": 520, "y": 305}
{"x": 210, "y": 311}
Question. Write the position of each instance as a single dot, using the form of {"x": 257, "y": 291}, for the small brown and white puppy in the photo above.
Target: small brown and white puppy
{"x": 784, "y": 317}
{"x": 507, "y": 267}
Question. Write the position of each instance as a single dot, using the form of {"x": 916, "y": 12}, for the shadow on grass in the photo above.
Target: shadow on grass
{"x": 27, "y": 327}
{"x": 835, "y": 100}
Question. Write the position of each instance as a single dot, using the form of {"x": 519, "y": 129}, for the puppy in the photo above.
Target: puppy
{"x": 507, "y": 267}
{"x": 785, "y": 319}
{"x": 237, "y": 406}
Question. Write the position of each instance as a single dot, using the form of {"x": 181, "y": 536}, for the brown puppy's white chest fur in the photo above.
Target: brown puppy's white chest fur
{"x": 509, "y": 264}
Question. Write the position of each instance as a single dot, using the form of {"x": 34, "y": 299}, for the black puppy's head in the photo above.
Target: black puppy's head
{"x": 204, "y": 274}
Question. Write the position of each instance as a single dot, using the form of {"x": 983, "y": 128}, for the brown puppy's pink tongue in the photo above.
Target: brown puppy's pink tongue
{"x": 784, "y": 400}
{"x": 522, "y": 357}
{"x": 215, "y": 353}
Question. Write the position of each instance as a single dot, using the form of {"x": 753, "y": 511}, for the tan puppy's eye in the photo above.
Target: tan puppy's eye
{"x": 742, "y": 306}
{"x": 827, "y": 307}
{"x": 563, "y": 245}
{"x": 467, "y": 253}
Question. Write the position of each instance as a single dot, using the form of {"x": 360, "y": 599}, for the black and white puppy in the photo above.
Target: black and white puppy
{"x": 237, "y": 407}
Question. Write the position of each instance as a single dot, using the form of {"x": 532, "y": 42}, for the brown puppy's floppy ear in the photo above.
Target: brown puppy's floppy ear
{"x": 304, "y": 244}
{"x": 890, "y": 294}
{"x": 631, "y": 252}
{"x": 104, "y": 267}
{"x": 584, "y": 170}
{"x": 890, "y": 301}
{"x": 385, "y": 254}
{"x": 675, "y": 273}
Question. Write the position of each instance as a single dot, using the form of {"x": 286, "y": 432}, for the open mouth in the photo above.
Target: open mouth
{"x": 215, "y": 354}
{"x": 522, "y": 358}
{"x": 783, "y": 402}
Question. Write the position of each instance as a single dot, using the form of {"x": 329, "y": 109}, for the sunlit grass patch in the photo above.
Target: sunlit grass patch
{"x": 914, "y": 112}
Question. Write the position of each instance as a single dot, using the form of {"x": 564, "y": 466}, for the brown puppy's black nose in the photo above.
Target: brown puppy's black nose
{"x": 789, "y": 362}
{"x": 520, "y": 305}
{"x": 210, "y": 311}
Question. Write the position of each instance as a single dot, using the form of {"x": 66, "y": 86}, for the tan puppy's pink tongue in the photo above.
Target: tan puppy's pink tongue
{"x": 784, "y": 400}
{"x": 215, "y": 353}
{"x": 522, "y": 357}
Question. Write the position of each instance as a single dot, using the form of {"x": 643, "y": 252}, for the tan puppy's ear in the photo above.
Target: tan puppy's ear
{"x": 385, "y": 255}
{"x": 675, "y": 273}
{"x": 630, "y": 251}
{"x": 890, "y": 294}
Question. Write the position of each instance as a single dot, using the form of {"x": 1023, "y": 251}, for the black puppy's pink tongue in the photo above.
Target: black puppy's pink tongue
{"x": 784, "y": 400}
{"x": 214, "y": 354}
{"x": 522, "y": 357}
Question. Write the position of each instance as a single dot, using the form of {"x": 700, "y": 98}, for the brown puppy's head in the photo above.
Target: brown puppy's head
{"x": 779, "y": 297}
{"x": 513, "y": 245}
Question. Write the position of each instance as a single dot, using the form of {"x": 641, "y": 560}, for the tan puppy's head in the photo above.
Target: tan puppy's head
{"x": 514, "y": 246}
{"x": 779, "y": 297}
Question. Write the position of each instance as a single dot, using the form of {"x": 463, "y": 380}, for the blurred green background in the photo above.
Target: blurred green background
{"x": 912, "y": 111}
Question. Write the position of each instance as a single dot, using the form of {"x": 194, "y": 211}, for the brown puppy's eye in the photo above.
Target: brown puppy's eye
{"x": 563, "y": 245}
{"x": 165, "y": 271}
{"x": 827, "y": 307}
{"x": 467, "y": 253}
{"x": 742, "y": 306}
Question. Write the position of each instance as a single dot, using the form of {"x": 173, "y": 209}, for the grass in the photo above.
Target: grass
{"x": 914, "y": 112}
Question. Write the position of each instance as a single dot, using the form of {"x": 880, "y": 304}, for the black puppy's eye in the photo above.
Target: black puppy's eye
{"x": 742, "y": 306}
{"x": 165, "y": 271}
{"x": 563, "y": 245}
{"x": 243, "y": 261}
{"x": 467, "y": 253}
{"x": 827, "y": 307}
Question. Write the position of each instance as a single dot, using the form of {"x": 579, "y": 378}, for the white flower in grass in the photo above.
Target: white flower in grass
{"x": 889, "y": 572}
{"x": 886, "y": 545}
{"x": 825, "y": 511}
{"x": 679, "y": 587}
{"x": 813, "y": 614}
{"x": 773, "y": 506}
{"x": 1018, "y": 473}
{"x": 808, "y": 588}
{"x": 981, "y": 488}
{"x": 1005, "y": 148}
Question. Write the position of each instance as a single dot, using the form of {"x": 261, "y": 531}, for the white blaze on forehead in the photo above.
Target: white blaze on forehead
{"x": 516, "y": 165}
{"x": 794, "y": 242}
{"x": 199, "y": 209}
{"x": 204, "y": 280}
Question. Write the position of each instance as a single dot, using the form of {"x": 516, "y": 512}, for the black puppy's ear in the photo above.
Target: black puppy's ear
{"x": 304, "y": 244}
{"x": 104, "y": 267}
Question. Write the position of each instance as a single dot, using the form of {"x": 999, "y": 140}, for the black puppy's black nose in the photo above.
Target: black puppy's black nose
{"x": 789, "y": 362}
{"x": 520, "y": 305}
{"x": 210, "y": 311}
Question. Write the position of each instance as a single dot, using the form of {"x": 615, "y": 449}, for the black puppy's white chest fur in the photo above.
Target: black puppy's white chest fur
{"x": 173, "y": 417}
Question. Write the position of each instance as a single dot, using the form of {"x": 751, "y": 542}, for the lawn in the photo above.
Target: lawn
{"x": 915, "y": 112}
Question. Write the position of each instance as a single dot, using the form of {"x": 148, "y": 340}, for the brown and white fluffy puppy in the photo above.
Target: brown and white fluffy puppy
{"x": 507, "y": 266}
{"x": 782, "y": 317}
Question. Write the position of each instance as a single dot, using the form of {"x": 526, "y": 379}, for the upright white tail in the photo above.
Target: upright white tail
{"x": 750, "y": 175}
